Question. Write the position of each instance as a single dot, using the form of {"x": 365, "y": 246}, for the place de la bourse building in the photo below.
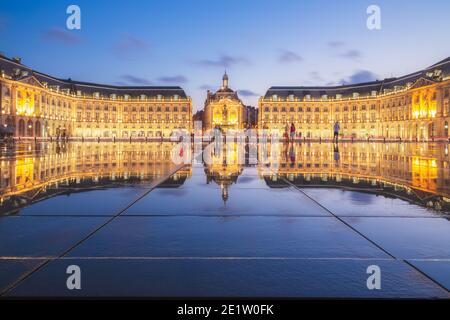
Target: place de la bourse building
{"x": 223, "y": 109}
{"x": 34, "y": 104}
{"x": 412, "y": 107}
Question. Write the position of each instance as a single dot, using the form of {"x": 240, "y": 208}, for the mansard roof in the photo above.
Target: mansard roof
{"x": 436, "y": 72}
{"x": 19, "y": 71}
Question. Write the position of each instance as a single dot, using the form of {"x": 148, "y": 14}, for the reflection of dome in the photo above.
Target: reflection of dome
{"x": 224, "y": 193}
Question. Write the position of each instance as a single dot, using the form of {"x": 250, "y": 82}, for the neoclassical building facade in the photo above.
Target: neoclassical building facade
{"x": 223, "y": 109}
{"x": 412, "y": 107}
{"x": 34, "y": 104}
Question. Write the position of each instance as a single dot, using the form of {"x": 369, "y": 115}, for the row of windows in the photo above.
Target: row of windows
{"x": 136, "y": 109}
{"x": 317, "y": 109}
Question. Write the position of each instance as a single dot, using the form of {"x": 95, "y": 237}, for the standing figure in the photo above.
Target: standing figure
{"x": 337, "y": 128}
{"x": 292, "y": 131}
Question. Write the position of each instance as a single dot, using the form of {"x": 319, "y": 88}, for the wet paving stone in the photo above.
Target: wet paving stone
{"x": 407, "y": 238}
{"x": 353, "y": 203}
{"x": 315, "y": 237}
{"x": 43, "y": 236}
{"x": 229, "y": 278}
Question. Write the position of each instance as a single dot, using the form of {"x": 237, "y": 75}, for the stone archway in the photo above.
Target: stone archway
{"x": 30, "y": 127}
{"x": 37, "y": 129}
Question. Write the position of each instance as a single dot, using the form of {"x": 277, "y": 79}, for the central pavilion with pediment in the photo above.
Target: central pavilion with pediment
{"x": 223, "y": 109}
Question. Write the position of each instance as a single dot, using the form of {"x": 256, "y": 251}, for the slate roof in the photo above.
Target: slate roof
{"x": 363, "y": 89}
{"x": 18, "y": 71}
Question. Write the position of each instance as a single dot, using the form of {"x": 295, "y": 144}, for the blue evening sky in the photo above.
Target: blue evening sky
{"x": 260, "y": 42}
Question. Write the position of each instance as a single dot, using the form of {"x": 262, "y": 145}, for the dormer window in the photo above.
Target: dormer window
{"x": 308, "y": 97}
{"x": 339, "y": 96}
{"x": 274, "y": 97}
{"x": 324, "y": 97}
{"x": 291, "y": 97}
{"x": 159, "y": 97}
{"x": 373, "y": 93}
{"x": 143, "y": 97}
{"x": 113, "y": 96}
{"x": 175, "y": 97}
{"x": 355, "y": 95}
{"x": 126, "y": 97}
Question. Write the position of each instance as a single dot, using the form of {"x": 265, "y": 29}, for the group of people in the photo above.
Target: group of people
{"x": 290, "y": 132}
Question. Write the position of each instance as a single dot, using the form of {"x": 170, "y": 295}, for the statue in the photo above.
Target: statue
{"x": 225, "y": 113}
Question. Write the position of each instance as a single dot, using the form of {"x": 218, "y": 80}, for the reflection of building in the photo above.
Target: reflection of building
{"x": 423, "y": 168}
{"x": 251, "y": 116}
{"x": 38, "y": 105}
{"x": 52, "y": 167}
{"x": 224, "y": 166}
{"x": 416, "y": 106}
{"x": 223, "y": 109}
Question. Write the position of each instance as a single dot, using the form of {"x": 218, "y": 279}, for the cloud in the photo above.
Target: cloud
{"x": 57, "y": 34}
{"x": 247, "y": 93}
{"x": 315, "y": 76}
{"x": 359, "y": 77}
{"x": 336, "y": 44}
{"x": 351, "y": 54}
{"x": 224, "y": 61}
{"x": 136, "y": 80}
{"x": 287, "y": 56}
{"x": 173, "y": 79}
{"x": 129, "y": 45}
{"x": 206, "y": 87}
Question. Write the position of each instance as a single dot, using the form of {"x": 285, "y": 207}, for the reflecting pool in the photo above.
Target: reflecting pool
{"x": 232, "y": 219}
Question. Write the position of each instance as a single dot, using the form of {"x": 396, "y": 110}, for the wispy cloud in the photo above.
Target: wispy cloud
{"x": 206, "y": 87}
{"x": 247, "y": 93}
{"x": 224, "y": 61}
{"x": 135, "y": 80}
{"x": 287, "y": 56}
{"x": 315, "y": 76}
{"x": 129, "y": 45}
{"x": 336, "y": 44}
{"x": 351, "y": 54}
{"x": 173, "y": 79}
{"x": 60, "y": 35}
{"x": 359, "y": 76}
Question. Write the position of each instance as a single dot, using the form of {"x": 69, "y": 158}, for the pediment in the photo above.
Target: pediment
{"x": 422, "y": 82}
{"x": 31, "y": 80}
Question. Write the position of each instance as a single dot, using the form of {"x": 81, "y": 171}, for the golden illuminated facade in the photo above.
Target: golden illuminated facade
{"x": 57, "y": 167}
{"x": 419, "y": 167}
{"x": 37, "y": 105}
{"x": 223, "y": 109}
{"x": 413, "y": 107}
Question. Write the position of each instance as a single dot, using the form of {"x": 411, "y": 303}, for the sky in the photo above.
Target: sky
{"x": 261, "y": 43}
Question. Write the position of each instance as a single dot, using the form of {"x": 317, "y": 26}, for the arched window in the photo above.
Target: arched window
{"x": 21, "y": 128}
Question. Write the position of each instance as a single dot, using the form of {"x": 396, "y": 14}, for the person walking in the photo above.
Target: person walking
{"x": 336, "y": 128}
{"x": 292, "y": 132}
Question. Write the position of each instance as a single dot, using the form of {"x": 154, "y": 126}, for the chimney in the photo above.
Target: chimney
{"x": 17, "y": 60}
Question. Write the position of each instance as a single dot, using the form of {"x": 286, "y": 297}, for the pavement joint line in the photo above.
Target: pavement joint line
{"x": 206, "y": 258}
{"x": 40, "y": 266}
{"x": 19, "y": 258}
{"x": 367, "y": 238}
{"x": 214, "y": 215}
